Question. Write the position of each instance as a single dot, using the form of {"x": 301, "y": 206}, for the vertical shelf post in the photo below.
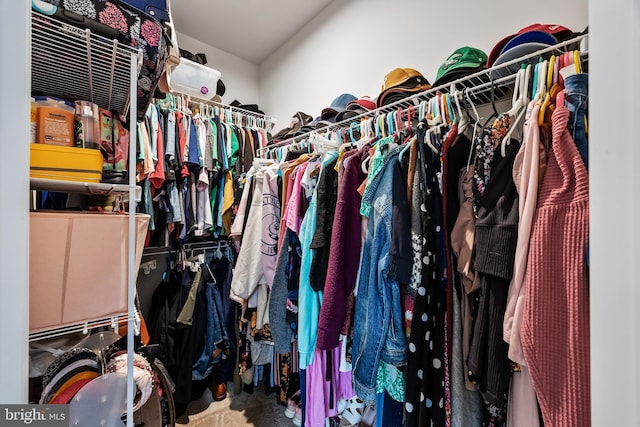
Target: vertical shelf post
{"x": 133, "y": 133}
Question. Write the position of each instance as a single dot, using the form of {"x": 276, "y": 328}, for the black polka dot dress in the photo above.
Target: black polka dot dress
{"x": 425, "y": 393}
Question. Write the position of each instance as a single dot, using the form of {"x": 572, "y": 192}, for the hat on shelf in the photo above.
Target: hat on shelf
{"x": 248, "y": 107}
{"x": 221, "y": 89}
{"x": 296, "y": 124}
{"x": 462, "y": 62}
{"x": 528, "y": 40}
{"x": 356, "y": 107}
{"x": 316, "y": 124}
{"x": 400, "y": 83}
{"x": 338, "y": 105}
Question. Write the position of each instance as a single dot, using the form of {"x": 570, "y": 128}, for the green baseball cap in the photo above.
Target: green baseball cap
{"x": 463, "y": 61}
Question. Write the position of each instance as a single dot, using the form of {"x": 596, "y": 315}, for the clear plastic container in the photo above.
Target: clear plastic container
{"x": 193, "y": 79}
{"x": 87, "y": 125}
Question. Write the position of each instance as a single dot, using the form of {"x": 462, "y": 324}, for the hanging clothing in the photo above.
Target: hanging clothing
{"x": 270, "y": 222}
{"x": 466, "y": 405}
{"x": 378, "y": 326}
{"x": 248, "y": 272}
{"x": 523, "y": 407}
{"x": 327, "y": 199}
{"x": 558, "y": 316}
{"x": 344, "y": 254}
{"x": 425, "y": 394}
{"x": 309, "y": 299}
{"x": 495, "y": 244}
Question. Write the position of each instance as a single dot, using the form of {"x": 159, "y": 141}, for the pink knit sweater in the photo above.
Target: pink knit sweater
{"x": 555, "y": 329}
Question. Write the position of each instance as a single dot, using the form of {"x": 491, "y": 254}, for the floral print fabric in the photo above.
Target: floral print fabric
{"x": 137, "y": 30}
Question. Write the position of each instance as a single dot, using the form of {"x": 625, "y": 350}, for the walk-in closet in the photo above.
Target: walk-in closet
{"x": 320, "y": 214}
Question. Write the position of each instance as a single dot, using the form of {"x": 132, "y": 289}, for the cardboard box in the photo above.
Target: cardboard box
{"x": 79, "y": 266}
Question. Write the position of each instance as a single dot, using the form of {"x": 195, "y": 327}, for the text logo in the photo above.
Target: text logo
{"x": 34, "y": 415}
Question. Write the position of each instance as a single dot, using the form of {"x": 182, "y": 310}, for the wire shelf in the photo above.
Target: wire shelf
{"x": 483, "y": 87}
{"x": 89, "y": 188}
{"x": 75, "y": 64}
{"x": 112, "y": 321}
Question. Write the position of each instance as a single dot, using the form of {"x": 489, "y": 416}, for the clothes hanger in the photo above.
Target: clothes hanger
{"x": 451, "y": 114}
{"x": 397, "y": 116}
{"x": 524, "y": 102}
{"x": 407, "y": 147}
{"x": 473, "y": 107}
{"x": 442, "y": 117}
{"x": 410, "y": 136}
{"x": 422, "y": 110}
{"x": 534, "y": 88}
{"x": 550, "y": 88}
{"x": 411, "y": 112}
{"x": 476, "y": 122}
{"x": 542, "y": 80}
{"x": 465, "y": 105}
{"x": 427, "y": 139}
{"x": 434, "y": 110}
{"x": 519, "y": 97}
{"x": 343, "y": 135}
{"x": 463, "y": 120}
{"x": 446, "y": 104}
{"x": 577, "y": 61}
{"x": 351, "y": 126}
{"x": 495, "y": 113}
{"x": 390, "y": 126}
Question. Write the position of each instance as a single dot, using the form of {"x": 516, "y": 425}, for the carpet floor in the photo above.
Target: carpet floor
{"x": 257, "y": 410}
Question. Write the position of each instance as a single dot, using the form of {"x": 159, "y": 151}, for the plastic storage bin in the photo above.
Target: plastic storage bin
{"x": 191, "y": 78}
{"x": 65, "y": 163}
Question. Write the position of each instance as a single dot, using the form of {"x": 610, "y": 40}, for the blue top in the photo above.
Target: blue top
{"x": 309, "y": 301}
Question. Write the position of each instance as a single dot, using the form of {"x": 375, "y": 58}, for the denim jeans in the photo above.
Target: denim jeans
{"x": 576, "y": 100}
{"x": 216, "y": 329}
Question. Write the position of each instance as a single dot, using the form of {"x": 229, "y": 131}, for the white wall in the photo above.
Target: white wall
{"x": 240, "y": 77}
{"x": 351, "y": 45}
{"x": 614, "y": 210}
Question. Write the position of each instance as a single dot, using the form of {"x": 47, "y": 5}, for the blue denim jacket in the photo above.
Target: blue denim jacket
{"x": 378, "y": 328}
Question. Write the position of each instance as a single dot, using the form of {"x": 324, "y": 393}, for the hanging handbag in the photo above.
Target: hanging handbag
{"x": 161, "y": 10}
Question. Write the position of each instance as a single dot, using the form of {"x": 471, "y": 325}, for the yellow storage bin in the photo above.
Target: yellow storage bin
{"x": 65, "y": 163}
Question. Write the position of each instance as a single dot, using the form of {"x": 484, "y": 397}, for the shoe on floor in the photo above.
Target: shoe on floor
{"x": 218, "y": 391}
{"x": 292, "y": 405}
{"x": 352, "y": 415}
{"x": 297, "y": 419}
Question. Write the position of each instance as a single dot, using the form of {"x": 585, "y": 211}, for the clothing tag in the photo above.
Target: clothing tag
{"x": 567, "y": 71}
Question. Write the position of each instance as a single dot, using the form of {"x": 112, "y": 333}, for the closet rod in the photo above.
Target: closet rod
{"x": 221, "y": 244}
{"x": 206, "y": 245}
{"x": 265, "y": 118}
{"x": 494, "y": 76}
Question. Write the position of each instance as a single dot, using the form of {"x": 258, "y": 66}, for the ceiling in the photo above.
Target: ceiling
{"x": 249, "y": 29}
